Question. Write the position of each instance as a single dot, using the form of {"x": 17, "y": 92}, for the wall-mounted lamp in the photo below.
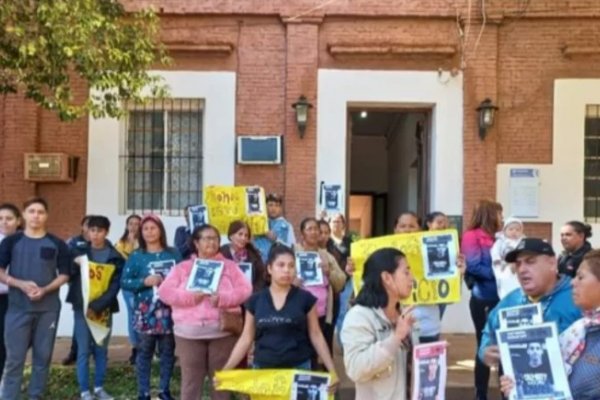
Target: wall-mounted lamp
{"x": 487, "y": 112}
{"x": 301, "y": 106}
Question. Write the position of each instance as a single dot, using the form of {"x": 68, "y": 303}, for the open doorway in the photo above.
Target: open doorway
{"x": 388, "y": 173}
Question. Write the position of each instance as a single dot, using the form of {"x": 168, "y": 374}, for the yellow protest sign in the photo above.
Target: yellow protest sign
{"x": 229, "y": 203}
{"x": 95, "y": 280}
{"x": 432, "y": 258}
{"x": 264, "y": 384}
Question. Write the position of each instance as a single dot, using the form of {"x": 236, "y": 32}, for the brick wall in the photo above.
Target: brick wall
{"x": 518, "y": 55}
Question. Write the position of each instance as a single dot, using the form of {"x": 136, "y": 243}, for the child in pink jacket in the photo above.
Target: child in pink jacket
{"x": 201, "y": 345}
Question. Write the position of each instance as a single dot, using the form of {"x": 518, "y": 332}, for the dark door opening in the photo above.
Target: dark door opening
{"x": 388, "y": 167}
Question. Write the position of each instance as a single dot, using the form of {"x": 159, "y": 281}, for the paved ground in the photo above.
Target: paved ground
{"x": 460, "y": 365}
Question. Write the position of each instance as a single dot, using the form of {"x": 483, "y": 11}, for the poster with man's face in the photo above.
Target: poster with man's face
{"x": 197, "y": 216}
{"x": 439, "y": 256}
{"x": 205, "y": 276}
{"x": 532, "y": 356}
{"x": 254, "y": 205}
{"x": 309, "y": 268}
{"x": 309, "y": 387}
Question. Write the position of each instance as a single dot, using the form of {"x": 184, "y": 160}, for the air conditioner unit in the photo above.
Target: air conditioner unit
{"x": 50, "y": 167}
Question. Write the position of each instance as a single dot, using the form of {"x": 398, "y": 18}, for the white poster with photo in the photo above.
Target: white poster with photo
{"x": 430, "y": 372}
{"x": 439, "y": 256}
{"x": 308, "y": 264}
{"x": 162, "y": 269}
{"x": 332, "y": 199}
{"x": 531, "y": 356}
{"x": 254, "y": 202}
{"x": 205, "y": 276}
{"x": 306, "y": 386}
{"x": 197, "y": 216}
{"x": 246, "y": 268}
{"x": 520, "y": 316}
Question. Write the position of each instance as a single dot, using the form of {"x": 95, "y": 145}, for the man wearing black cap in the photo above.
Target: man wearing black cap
{"x": 280, "y": 230}
{"x": 537, "y": 270}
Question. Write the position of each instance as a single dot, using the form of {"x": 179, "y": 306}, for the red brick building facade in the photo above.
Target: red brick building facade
{"x": 511, "y": 51}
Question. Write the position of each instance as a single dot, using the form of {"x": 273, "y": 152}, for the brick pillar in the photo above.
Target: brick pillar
{"x": 302, "y": 40}
{"x": 481, "y": 82}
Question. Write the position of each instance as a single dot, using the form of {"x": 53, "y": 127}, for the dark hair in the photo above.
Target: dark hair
{"x": 85, "y": 219}
{"x": 592, "y": 258}
{"x": 99, "y": 221}
{"x": 15, "y": 211}
{"x": 485, "y": 216}
{"x": 306, "y": 221}
{"x": 411, "y": 213}
{"x": 12, "y": 208}
{"x": 373, "y": 294}
{"x": 322, "y": 222}
{"x": 36, "y": 200}
{"x": 581, "y": 228}
{"x": 279, "y": 250}
{"x": 274, "y": 198}
{"x": 429, "y": 218}
{"x": 161, "y": 227}
{"x": 126, "y": 233}
{"x": 197, "y": 233}
{"x": 236, "y": 226}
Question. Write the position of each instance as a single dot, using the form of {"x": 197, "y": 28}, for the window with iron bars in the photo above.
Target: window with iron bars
{"x": 162, "y": 156}
{"x": 591, "y": 191}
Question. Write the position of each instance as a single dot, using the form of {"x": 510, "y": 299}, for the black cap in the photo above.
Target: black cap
{"x": 532, "y": 245}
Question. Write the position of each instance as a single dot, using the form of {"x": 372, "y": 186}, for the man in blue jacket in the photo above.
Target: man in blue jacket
{"x": 537, "y": 270}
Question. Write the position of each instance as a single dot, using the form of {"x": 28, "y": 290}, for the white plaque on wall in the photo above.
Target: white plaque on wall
{"x": 525, "y": 192}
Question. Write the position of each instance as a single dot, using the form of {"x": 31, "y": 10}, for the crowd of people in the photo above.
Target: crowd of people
{"x": 284, "y": 323}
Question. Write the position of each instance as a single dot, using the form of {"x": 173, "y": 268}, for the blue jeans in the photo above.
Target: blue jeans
{"x": 345, "y": 296}
{"x": 129, "y": 297}
{"x": 166, "y": 349}
{"x": 86, "y": 346}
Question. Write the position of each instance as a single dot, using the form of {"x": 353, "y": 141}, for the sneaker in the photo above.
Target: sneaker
{"x": 86, "y": 396}
{"x": 101, "y": 394}
{"x": 165, "y": 396}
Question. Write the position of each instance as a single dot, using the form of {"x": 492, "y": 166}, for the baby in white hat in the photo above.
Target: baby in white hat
{"x": 506, "y": 241}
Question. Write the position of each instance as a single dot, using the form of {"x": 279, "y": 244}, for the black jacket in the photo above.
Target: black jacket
{"x": 568, "y": 263}
{"x": 109, "y": 298}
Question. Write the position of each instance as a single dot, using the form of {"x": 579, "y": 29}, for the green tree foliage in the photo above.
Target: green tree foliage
{"x": 45, "y": 44}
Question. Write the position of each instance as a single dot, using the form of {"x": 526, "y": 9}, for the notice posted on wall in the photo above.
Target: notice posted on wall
{"x": 524, "y": 192}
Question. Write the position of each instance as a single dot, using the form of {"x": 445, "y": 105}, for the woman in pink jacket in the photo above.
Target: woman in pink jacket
{"x": 201, "y": 345}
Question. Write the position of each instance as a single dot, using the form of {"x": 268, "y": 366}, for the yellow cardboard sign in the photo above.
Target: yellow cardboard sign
{"x": 432, "y": 259}
{"x": 230, "y": 203}
{"x": 95, "y": 280}
{"x": 262, "y": 384}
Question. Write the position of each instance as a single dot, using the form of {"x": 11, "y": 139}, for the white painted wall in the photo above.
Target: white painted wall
{"x": 339, "y": 89}
{"x": 369, "y": 164}
{"x": 104, "y": 192}
{"x": 561, "y": 183}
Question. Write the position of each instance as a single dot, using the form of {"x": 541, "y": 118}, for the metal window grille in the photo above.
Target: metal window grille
{"x": 591, "y": 191}
{"x": 162, "y": 156}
